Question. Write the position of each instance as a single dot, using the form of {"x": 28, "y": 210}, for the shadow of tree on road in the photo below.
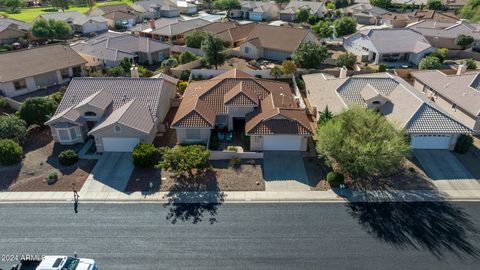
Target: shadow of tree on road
{"x": 190, "y": 199}
{"x": 438, "y": 227}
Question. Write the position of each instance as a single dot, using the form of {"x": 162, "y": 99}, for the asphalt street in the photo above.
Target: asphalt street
{"x": 248, "y": 236}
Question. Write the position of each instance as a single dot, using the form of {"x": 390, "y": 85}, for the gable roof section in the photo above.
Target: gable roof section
{"x": 194, "y": 113}
{"x": 229, "y": 31}
{"x": 6, "y": 22}
{"x": 179, "y": 27}
{"x": 294, "y": 6}
{"x": 286, "y": 39}
{"x": 101, "y": 100}
{"x": 431, "y": 120}
{"x": 75, "y": 16}
{"x": 38, "y": 60}
{"x": 241, "y": 95}
{"x": 396, "y": 40}
{"x": 445, "y": 29}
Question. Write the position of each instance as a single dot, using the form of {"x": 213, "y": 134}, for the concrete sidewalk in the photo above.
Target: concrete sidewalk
{"x": 249, "y": 196}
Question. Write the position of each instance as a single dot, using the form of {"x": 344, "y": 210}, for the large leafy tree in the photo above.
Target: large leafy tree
{"x": 227, "y": 5}
{"x": 310, "y": 55}
{"x": 37, "y": 110}
{"x": 323, "y": 29}
{"x": 181, "y": 160}
{"x": 288, "y": 67}
{"x": 430, "y": 62}
{"x": 345, "y": 26}
{"x": 381, "y": 3}
{"x": 212, "y": 48}
{"x": 361, "y": 142}
{"x": 11, "y": 6}
{"x": 13, "y": 127}
{"x": 435, "y": 5}
{"x": 60, "y": 4}
{"x": 276, "y": 72}
{"x": 51, "y": 29}
{"x": 471, "y": 11}
{"x": 195, "y": 39}
{"x": 302, "y": 15}
{"x": 346, "y": 60}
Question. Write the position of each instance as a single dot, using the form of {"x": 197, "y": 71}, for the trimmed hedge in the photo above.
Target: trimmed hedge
{"x": 10, "y": 152}
{"x": 464, "y": 143}
{"x": 145, "y": 155}
{"x": 68, "y": 157}
{"x": 335, "y": 179}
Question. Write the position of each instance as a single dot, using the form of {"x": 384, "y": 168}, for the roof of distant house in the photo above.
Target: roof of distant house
{"x": 75, "y": 16}
{"x": 423, "y": 15}
{"x": 153, "y": 5}
{"x": 6, "y": 22}
{"x": 128, "y": 101}
{"x": 115, "y": 47}
{"x": 35, "y": 61}
{"x": 171, "y": 26}
{"x": 119, "y": 15}
{"x": 277, "y": 111}
{"x": 463, "y": 90}
{"x": 294, "y": 6}
{"x": 405, "y": 106}
{"x": 280, "y": 38}
{"x": 395, "y": 40}
{"x": 257, "y": 6}
{"x": 364, "y": 9}
{"x": 445, "y": 29}
{"x": 229, "y": 31}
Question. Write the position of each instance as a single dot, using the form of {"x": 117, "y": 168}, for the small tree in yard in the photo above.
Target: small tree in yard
{"x": 10, "y": 152}
{"x": 187, "y": 57}
{"x": 37, "y": 110}
{"x": 12, "y": 6}
{"x": 324, "y": 117}
{"x": 302, "y": 15}
{"x": 68, "y": 157}
{"x": 145, "y": 155}
{"x": 227, "y": 5}
{"x": 181, "y": 160}
{"x": 471, "y": 64}
{"x": 170, "y": 63}
{"x": 430, "y": 62}
{"x": 345, "y": 26}
{"x": 464, "y": 41}
{"x": 310, "y": 55}
{"x": 115, "y": 72}
{"x": 212, "y": 47}
{"x": 125, "y": 64}
{"x": 346, "y": 60}
{"x": 13, "y": 127}
{"x": 195, "y": 39}
{"x": 276, "y": 72}
{"x": 361, "y": 142}
{"x": 435, "y": 5}
{"x": 289, "y": 67}
{"x": 441, "y": 54}
{"x": 51, "y": 29}
{"x": 323, "y": 29}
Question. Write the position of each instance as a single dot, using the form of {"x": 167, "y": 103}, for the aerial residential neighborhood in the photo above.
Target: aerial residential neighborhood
{"x": 227, "y": 134}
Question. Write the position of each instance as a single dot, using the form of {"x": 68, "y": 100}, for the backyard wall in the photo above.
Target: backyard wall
{"x": 222, "y": 155}
{"x": 209, "y": 73}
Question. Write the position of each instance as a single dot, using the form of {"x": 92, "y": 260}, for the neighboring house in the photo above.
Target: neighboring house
{"x": 444, "y": 34}
{"x": 400, "y": 20}
{"x": 274, "y": 42}
{"x": 428, "y": 126}
{"x": 118, "y": 112}
{"x": 11, "y": 30}
{"x": 449, "y": 4}
{"x": 365, "y": 13}
{"x": 185, "y": 7}
{"x": 119, "y": 13}
{"x": 388, "y": 46}
{"x": 264, "y": 110}
{"x": 231, "y": 32}
{"x": 79, "y": 22}
{"x": 154, "y": 9}
{"x": 25, "y": 71}
{"x": 257, "y": 11}
{"x": 110, "y": 49}
{"x": 170, "y": 30}
{"x": 459, "y": 94}
{"x": 289, "y": 13}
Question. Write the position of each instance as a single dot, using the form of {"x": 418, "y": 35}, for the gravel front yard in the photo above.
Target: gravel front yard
{"x": 40, "y": 159}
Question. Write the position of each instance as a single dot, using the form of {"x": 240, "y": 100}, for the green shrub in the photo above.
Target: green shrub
{"x": 185, "y": 75}
{"x": 145, "y": 155}
{"x": 3, "y": 103}
{"x": 187, "y": 57}
{"x": 7, "y": 47}
{"x": 471, "y": 64}
{"x": 300, "y": 83}
{"x": 13, "y": 127}
{"x": 464, "y": 143}
{"x": 52, "y": 175}
{"x": 37, "y": 110}
{"x": 382, "y": 68}
{"x": 335, "y": 179}
{"x": 67, "y": 157}
{"x": 57, "y": 96}
{"x": 10, "y": 152}
{"x": 181, "y": 86}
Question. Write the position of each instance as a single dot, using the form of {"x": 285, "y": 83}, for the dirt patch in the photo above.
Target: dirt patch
{"x": 221, "y": 177}
{"x": 235, "y": 62}
{"x": 40, "y": 159}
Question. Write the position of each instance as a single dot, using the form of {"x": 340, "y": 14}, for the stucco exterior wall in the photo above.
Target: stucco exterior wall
{"x": 253, "y": 53}
{"x": 182, "y": 136}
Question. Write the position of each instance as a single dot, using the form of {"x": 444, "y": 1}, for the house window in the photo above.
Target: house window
{"x": 454, "y": 107}
{"x": 65, "y": 73}
{"x": 247, "y": 49}
{"x": 376, "y": 102}
{"x": 67, "y": 134}
{"x": 193, "y": 134}
{"x": 117, "y": 129}
{"x": 20, "y": 84}
{"x": 90, "y": 114}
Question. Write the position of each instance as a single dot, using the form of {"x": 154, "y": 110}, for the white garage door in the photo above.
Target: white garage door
{"x": 278, "y": 142}
{"x": 275, "y": 55}
{"x": 430, "y": 141}
{"x": 119, "y": 144}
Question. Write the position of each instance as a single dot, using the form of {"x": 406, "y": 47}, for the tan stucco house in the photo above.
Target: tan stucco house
{"x": 264, "y": 110}
{"x": 118, "y": 113}
{"x": 11, "y": 30}
{"x": 26, "y": 71}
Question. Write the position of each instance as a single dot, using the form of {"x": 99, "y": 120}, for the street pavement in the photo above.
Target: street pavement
{"x": 436, "y": 235}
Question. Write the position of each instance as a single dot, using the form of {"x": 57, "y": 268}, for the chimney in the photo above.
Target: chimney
{"x": 152, "y": 23}
{"x": 343, "y": 73}
{"x": 461, "y": 69}
{"x": 134, "y": 71}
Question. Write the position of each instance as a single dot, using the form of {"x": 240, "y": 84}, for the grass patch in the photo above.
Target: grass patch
{"x": 29, "y": 14}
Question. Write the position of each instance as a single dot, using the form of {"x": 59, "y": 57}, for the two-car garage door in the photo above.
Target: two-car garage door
{"x": 285, "y": 143}
{"x": 431, "y": 141}
{"x": 111, "y": 144}
{"x": 275, "y": 54}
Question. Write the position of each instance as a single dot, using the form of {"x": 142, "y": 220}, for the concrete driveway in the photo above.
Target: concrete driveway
{"x": 446, "y": 170}
{"x": 111, "y": 172}
{"x": 284, "y": 171}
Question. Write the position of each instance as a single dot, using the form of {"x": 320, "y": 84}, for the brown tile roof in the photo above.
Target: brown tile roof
{"x": 229, "y": 31}
{"x": 422, "y": 15}
{"x": 203, "y": 100}
{"x": 118, "y": 15}
{"x": 280, "y": 38}
{"x": 35, "y": 61}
